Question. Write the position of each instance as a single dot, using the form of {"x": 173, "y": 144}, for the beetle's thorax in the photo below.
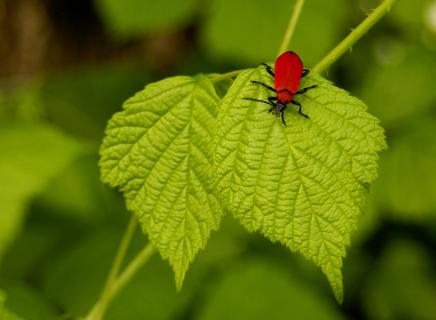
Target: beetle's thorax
{"x": 284, "y": 96}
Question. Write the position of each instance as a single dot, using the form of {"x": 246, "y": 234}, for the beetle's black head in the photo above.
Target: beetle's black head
{"x": 279, "y": 109}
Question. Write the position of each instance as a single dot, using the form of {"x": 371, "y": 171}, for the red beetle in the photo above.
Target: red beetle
{"x": 288, "y": 73}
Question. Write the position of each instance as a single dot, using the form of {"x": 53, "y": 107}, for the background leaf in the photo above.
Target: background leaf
{"x": 150, "y": 294}
{"x": 259, "y": 289}
{"x": 303, "y": 185}
{"x": 412, "y": 63}
{"x": 5, "y": 314}
{"x": 23, "y": 175}
{"x": 82, "y": 101}
{"x": 159, "y": 152}
{"x": 89, "y": 200}
{"x": 131, "y": 18}
{"x": 415, "y": 20}
{"x": 406, "y": 188}
{"x": 401, "y": 285}
{"x": 28, "y": 303}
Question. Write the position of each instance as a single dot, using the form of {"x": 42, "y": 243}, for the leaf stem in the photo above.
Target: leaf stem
{"x": 141, "y": 258}
{"x": 97, "y": 312}
{"x": 354, "y": 36}
{"x": 333, "y": 55}
{"x": 296, "y": 11}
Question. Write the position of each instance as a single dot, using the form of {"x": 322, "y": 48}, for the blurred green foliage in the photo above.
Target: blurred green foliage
{"x": 59, "y": 226}
{"x": 5, "y": 314}
{"x": 412, "y": 96}
{"x": 251, "y": 31}
{"x": 402, "y": 285}
{"x": 47, "y": 152}
{"x": 406, "y": 187}
{"x": 27, "y": 302}
{"x": 90, "y": 97}
{"x": 127, "y": 19}
{"x": 260, "y": 289}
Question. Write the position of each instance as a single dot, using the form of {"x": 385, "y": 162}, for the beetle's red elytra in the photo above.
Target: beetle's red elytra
{"x": 288, "y": 71}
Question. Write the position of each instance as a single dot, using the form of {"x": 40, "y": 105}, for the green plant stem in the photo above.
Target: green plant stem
{"x": 354, "y": 36}
{"x": 333, "y": 55}
{"x": 291, "y": 26}
{"x": 97, "y": 312}
{"x": 284, "y": 45}
{"x": 129, "y": 272}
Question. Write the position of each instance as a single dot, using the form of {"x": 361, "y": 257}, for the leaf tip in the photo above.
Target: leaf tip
{"x": 179, "y": 278}
{"x": 339, "y": 295}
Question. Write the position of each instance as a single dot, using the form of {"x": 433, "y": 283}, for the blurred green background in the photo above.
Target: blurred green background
{"x": 67, "y": 65}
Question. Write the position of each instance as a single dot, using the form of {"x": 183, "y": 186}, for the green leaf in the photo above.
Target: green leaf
{"x": 85, "y": 265}
{"x": 79, "y": 194}
{"x": 30, "y": 156}
{"x": 401, "y": 284}
{"x": 83, "y": 100}
{"x": 415, "y": 19}
{"x": 406, "y": 188}
{"x": 5, "y": 314}
{"x": 24, "y": 256}
{"x": 410, "y": 67}
{"x": 129, "y": 18}
{"x": 258, "y": 289}
{"x": 150, "y": 294}
{"x": 27, "y": 302}
{"x": 303, "y": 185}
{"x": 158, "y": 151}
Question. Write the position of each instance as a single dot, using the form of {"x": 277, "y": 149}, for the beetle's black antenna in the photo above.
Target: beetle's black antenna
{"x": 262, "y": 101}
{"x": 268, "y": 69}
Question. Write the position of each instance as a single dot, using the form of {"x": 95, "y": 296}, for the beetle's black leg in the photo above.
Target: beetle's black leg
{"x": 270, "y": 110}
{"x": 263, "y": 85}
{"x": 305, "y": 72}
{"x": 262, "y": 101}
{"x": 299, "y": 108}
{"x": 283, "y": 118}
{"x": 304, "y": 90}
{"x": 268, "y": 69}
